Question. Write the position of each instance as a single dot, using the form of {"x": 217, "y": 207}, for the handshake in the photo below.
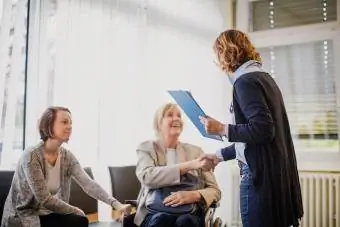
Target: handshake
{"x": 206, "y": 162}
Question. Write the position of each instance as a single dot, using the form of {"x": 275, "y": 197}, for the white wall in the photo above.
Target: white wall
{"x": 112, "y": 63}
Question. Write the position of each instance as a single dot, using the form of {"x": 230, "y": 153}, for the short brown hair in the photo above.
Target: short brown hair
{"x": 47, "y": 121}
{"x": 233, "y": 48}
{"x": 159, "y": 115}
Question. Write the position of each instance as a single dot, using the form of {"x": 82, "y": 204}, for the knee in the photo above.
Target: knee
{"x": 160, "y": 219}
{"x": 81, "y": 221}
{"x": 187, "y": 220}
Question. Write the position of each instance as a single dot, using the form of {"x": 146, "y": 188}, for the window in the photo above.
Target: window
{"x": 13, "y": 32}
{"x": 288, "y": 13}
{"x": 306, "y": 76}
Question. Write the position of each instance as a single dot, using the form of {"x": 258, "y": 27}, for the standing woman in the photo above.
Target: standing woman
{"x": 40, "y": 189}
{"x": 270, "y": 193}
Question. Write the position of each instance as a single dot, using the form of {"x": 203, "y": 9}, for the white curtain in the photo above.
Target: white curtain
{"x": 113, "y": 62}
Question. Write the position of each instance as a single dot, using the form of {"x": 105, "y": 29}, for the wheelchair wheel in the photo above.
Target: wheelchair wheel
{"x": 217, "y": 222}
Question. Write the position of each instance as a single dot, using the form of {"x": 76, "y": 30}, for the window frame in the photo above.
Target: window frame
{"x": 307, "y": 160}
{"x": 26, "y": 73}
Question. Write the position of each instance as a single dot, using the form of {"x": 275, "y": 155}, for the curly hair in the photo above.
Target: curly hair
{"x": 233, "y": 48}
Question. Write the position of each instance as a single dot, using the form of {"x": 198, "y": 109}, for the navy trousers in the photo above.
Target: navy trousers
{"x": 168, "y": 220}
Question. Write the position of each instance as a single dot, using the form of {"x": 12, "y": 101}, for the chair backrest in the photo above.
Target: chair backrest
{"x": 80, "y": 199}
{"x": 124, "y": 182}
{"x": 6, "y": 178}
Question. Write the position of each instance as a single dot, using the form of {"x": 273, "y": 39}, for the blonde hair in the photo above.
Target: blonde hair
{"x": 159, "y": 115}
{"x": 233, "y": 48}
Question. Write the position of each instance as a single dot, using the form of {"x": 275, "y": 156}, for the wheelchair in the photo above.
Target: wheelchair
{"x": 128, "y": 192}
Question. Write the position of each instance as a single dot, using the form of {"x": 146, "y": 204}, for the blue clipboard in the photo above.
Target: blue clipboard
{"x": 191, "y": 108}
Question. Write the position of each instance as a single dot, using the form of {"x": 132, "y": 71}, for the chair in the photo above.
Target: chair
{"x": 126, "y": 186}
{"x": 122, "y": 189}
{"x": 88, "y": 204}
{"x": 5, "y": 185}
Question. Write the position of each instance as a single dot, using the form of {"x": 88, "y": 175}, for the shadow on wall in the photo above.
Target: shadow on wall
{"x": 157, "y": 17}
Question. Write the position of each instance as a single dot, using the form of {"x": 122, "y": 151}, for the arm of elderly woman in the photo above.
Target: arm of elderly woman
{"x": 154, "y": 176}
{"x": 182, "y": 197}
{"x": 211, "y": 192}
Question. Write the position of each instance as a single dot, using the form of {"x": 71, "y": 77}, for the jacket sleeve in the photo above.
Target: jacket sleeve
{"x": 211, "y": 192}
{"x": 227, "y": 153}
{"x": 251, "y": 99}
{"x": 91, "y": 187}
{"x": 151, "y": 175}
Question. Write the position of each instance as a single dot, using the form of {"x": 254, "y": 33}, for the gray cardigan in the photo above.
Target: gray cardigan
{"x": 29, "y": 192}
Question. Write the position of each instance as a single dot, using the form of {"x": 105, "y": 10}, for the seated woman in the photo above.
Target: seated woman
{"x": 162, "y": 162}
{"x": 40, "y": 189}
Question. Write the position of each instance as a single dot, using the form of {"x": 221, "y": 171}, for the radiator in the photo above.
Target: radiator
{"x": 320, "y": 195}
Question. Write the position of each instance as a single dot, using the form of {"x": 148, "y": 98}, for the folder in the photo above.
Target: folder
{"x": 191, "y": 108}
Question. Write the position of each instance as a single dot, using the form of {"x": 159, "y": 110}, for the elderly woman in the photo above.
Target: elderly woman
{"x": 270, "y": 193}
{"x": 162, "y": 162}
{"x": 40, "y": 189}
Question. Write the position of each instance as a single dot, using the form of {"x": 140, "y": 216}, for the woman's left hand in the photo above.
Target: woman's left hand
{"x": 182, "y": 197}
{"x": 212, "y": 126}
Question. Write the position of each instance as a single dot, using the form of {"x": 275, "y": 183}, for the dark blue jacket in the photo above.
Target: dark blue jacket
{"x": 262, "y": 123}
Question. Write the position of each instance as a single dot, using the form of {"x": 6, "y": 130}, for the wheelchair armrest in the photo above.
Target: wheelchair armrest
{"x": 131, "y": 202}
{"x": 210, "y": 212}
{"x": 214, "y": 205}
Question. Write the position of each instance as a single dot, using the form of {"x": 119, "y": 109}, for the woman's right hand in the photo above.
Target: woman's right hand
{"x": 125, "y": 209}
{"x": 79, "y": 211}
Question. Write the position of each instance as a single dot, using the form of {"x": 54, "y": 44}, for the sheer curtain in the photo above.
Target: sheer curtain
{"x": 113, "y": 62}
{"x": 116, "y": 59}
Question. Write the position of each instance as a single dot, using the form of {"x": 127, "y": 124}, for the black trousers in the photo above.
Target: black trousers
{"x": 63, "y": 220}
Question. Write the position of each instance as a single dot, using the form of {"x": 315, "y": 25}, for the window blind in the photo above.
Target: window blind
{"x": 286, "y": 13}
{"x": 305, "y": 74}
